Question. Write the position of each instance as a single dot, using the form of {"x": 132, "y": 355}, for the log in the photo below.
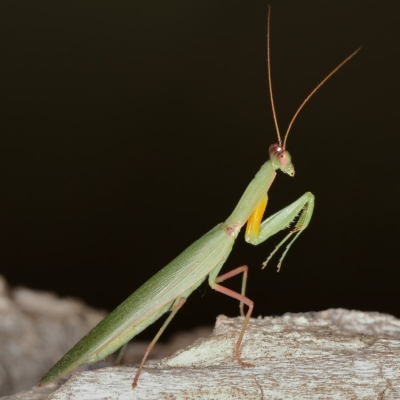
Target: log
{"x": 336, "y": 353}
{"x": 38, "y": 328}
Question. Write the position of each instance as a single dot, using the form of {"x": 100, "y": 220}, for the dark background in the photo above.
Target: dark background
{"x": 128, "y": 129}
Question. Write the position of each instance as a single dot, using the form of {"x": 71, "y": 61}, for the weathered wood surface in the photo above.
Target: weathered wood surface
{"x": 38, "y": 328}
{"x": 333, "y": 354}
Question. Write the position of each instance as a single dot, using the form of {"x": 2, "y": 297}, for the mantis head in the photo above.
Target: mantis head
{"x": 278, "y": 155}
{"x": 281, "y": 159}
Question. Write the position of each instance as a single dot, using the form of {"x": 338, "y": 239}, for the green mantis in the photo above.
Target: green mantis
{"x": 170, "y": 287}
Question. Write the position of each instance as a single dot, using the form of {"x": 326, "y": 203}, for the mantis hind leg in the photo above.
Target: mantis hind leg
{"x": 120, "y": 354}
{"x": 175, "y": 309}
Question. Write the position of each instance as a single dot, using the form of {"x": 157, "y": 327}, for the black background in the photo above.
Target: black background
{"x": 128, "y": 129}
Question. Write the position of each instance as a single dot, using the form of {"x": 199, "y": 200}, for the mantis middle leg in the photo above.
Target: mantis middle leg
{"x": 243, "y": 300}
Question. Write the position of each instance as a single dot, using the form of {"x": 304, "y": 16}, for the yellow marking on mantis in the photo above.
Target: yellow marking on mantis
{"x": 254, "y": 222}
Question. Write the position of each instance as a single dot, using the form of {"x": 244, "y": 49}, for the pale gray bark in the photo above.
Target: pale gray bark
{"x": 333, "y": 354}
{"x": 38, "y": 328}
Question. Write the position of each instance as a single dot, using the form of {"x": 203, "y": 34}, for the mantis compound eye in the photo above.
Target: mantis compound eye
{"x": 281, "y": 158}
{"x": 284, "y": 158}
{"x": 280, "y": 154}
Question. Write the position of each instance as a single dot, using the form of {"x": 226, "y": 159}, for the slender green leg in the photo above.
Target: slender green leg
{"x": 120, "y": 354}
{"x": 175, "y": 309}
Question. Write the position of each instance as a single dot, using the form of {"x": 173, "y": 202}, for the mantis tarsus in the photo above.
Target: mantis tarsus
{"x": 169, "y": 288}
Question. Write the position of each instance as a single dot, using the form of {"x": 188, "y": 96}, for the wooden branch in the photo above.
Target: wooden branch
{"x": 323, "y": 355}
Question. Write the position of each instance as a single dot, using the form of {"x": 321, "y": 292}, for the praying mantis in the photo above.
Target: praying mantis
{"x": 170, "y": 287}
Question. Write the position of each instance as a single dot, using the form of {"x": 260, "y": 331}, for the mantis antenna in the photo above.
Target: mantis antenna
{"x": 308, "y": 97}
{"x": 269, "y": 76}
